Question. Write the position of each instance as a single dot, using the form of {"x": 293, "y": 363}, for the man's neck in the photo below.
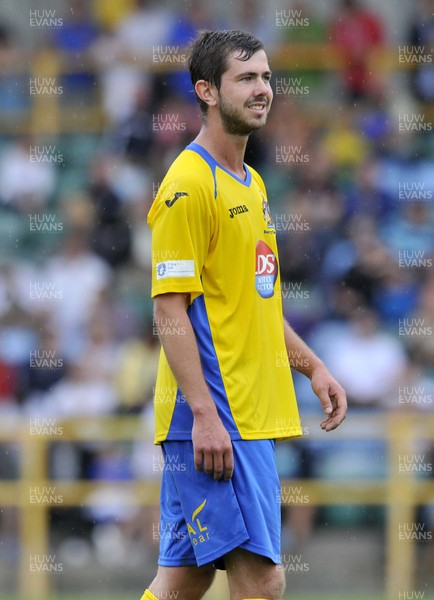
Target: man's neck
{"x": 226, "y": 149}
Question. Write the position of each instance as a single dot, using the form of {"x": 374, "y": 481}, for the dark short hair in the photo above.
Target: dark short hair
{"x": 208, "y": 55}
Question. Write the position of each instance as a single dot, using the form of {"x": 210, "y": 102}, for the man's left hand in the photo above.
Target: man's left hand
{"x": 332, "y": 397}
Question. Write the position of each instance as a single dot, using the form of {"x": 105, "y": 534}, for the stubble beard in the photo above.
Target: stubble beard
{"x": 234, "y": 122}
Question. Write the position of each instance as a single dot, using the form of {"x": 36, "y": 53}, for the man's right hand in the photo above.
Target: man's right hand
{"x": 212, "y": 447}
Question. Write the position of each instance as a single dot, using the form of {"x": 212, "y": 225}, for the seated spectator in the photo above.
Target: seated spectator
{"x": 82, "y": 392}
{"x": 136, "y": 367}
{"x": 125, "y": 55}
{"x": 397, "y": 294}
{"x": 111, "y": 235}
{"x": 25, "y": 185}
{"x": 418, "y": 327}
{"x": 311, "y": 79}
{"x": 109, "y": 13}
{"x": 74, "y": 40}
{"x": 363, "y": 195}
{"x": 14, "y": 95}
{"x": 132, "y": 138}
{"x": 78, "y": 276}
{"x": 367, "y": 359}
{"x": 198, "y": 16}
{"x": 356, "y": 31}
{"x": 18, "y": 339}
{"x": 46, "y": 365}
{"x": 343, "y": 143}
{"x": 258, "y": 18}
{"x": 409, "y": 230}
{"x": 421, "y": 36}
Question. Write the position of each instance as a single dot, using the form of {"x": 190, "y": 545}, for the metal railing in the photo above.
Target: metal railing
{"x": 400, "y": 492}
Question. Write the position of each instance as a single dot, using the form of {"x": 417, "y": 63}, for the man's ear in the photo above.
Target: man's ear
{"x": 206, "y": 92}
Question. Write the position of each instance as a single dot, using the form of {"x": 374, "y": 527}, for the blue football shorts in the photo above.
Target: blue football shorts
{"x": 203, "y": 519}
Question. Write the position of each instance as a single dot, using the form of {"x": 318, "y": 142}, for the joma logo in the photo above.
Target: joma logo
{"x": 237, "y": 210}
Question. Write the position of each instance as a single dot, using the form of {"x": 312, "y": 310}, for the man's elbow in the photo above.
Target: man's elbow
{"x": 169, "y": 305}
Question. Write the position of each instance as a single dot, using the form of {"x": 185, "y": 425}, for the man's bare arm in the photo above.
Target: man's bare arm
{"x": 331, "y": 394}
{"x": 211, "y": 442}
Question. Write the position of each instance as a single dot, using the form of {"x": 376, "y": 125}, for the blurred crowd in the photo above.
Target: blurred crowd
{"x": 351, "y": 192}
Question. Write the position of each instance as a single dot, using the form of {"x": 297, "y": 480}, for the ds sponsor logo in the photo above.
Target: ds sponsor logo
{"x": 266, "y": 270}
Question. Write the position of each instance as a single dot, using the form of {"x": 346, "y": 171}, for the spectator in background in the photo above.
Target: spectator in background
{"x": 365, "y": 357}
{"x": 18, "y": 338}
{"x": 25, "y": 184}
{"x": 409, "y": 230}
{"x": 132, "y": 138}
{"x": 258, "y": 18}
{"x": 111, "y": 235}
{"x": 196, "y": 16}
{"x": 342, "y": 142}
{"x": 79, "y": 277}
{"x": 82, "y": 392}
{"x": 74, "y": 40}
{"x": 13, "y": 85}
{"x": 421, "y": 35}
{"x": 109, "y": 13}
{"x": 100, "y": 351}
{"x": 363, "y": 195}
{"x": 135, "y": 371}
{"x": 126, "y": 54}
{"x": 370, "y": 261}
{"x": 356, "y": 31}
{"x": 313, "y": 32}
{"x": 47, "y": 367}
{"x": 419, "y": 327}
{"x": 397, "y": 294}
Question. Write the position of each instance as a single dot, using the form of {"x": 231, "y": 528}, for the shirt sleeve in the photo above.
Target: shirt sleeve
{"x": 182, "y": 223}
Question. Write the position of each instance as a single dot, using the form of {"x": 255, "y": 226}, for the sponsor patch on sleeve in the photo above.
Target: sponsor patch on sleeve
{"x": 175, "y": 268}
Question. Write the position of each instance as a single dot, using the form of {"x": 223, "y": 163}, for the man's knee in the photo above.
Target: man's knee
{"x": 183, "y": 583}
{"x": 270, "y": 586}
{"x": 201, "y": 581}
{"x": 280, "y": 581}
{"x": 274, "y": 583}
{"x": 253, "y": 576}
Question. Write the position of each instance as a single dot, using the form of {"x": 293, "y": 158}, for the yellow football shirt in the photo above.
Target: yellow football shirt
{"x": 213, "y": 237}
